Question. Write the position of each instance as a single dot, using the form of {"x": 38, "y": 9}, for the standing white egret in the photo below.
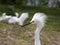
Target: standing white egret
{"x": 39, "y": 19}
{"x": 19, "y": 20}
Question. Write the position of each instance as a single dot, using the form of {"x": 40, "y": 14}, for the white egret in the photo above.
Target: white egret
{"x": 13, "y": 19}
{"x": 19, "y": 20}
{"x": 17, "y": 14}
{"x": 39, "y": 19}
{"x": 22, "y": 18}
{"x": 4, "y": 17}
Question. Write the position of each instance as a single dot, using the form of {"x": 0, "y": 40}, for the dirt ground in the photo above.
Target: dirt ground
{"x": 16, "y": 35}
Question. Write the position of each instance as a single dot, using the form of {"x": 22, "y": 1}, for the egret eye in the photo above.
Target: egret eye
{"x": 32, "y": 22}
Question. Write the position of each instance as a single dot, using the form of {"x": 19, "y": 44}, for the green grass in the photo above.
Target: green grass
{"x": 24, "y": 38}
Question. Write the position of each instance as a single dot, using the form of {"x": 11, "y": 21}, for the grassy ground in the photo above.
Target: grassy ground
{"x": 13, "y": 34}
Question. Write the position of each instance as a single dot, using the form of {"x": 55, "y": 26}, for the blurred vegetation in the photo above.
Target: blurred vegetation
{"x": 50, "y": 33}
{"x": 52, "y": 13}
{"x": 12, "y": 6}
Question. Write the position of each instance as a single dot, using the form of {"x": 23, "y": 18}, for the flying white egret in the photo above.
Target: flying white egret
{"x": 19, "y": 20}
{"x": 39, "y": 19}
{"x": 4, "y": 17}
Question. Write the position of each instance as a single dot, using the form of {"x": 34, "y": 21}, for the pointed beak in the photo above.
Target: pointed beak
{"x": 27, "y": 24}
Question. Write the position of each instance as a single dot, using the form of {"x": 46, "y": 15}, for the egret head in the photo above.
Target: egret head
{"x": 22, "y": 18}
{"x": 35, "y": 20}
{"x": 24, "y": 15}
{"x": 16, "y": 14}
{"x": 4, "y": 14}
{"x": 38, "y": 18}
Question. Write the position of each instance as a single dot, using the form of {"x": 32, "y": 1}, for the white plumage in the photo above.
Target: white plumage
{"x": 39, "y": 19}
{"x": 17, "y": 14}
{"x": 14, "y": 19}
{"x": 22, "y": 18}
{"x": 19, "y": 20}
{"x": 5, "y": 17}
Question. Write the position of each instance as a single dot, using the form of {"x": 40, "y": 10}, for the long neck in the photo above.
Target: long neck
{"x": 37, "y": 39}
